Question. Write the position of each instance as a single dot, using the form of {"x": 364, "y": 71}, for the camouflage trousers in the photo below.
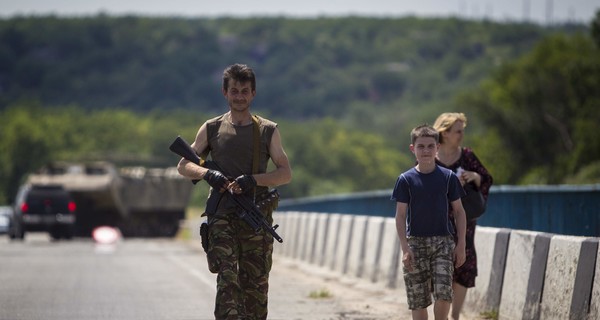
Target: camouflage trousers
{"x": 432, "y": 271}
{"x": 242, "y": 260}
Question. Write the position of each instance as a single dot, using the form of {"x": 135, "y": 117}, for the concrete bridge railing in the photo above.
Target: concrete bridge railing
{"x": 522, "y": 274}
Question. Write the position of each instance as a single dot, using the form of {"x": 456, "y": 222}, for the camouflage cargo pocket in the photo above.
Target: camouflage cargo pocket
{"x": 219, "y": 243}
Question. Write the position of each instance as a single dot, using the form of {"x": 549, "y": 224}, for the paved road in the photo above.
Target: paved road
{"x": 161, "y": 279}
{"x": 40, "y": 279}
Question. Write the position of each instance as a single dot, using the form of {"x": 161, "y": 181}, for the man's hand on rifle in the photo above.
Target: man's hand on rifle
{"x": 216, "y": 180}
{"x": 243, "y": 183}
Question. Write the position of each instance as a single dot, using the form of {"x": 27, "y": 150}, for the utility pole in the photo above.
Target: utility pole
{"x": 462, "y": 9}
{"x": 572, "y": 15}
{"x": 526, "y": 7}
{"x": 489, "y": 11}
{"x": 549, "y": 11}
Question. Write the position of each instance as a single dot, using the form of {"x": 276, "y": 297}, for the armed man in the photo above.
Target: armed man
{"x": 241, "y": 145}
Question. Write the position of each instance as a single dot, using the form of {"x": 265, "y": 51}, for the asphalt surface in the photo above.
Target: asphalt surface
{"x": 163, "y": 279}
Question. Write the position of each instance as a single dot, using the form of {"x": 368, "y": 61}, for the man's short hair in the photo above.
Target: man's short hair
{"x": 240, "y": 73}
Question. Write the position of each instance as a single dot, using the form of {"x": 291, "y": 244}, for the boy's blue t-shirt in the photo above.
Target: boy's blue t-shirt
{"x": 428, "y": 196}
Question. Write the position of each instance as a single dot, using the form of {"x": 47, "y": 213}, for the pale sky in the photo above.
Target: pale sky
{"x": 539, "y": 11}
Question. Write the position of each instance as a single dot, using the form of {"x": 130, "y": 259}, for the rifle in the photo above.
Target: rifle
{"x": 250, "y": 212}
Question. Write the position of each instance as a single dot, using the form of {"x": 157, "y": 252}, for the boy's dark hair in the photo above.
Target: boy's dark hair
{"x": 240, "y": 73}
{"x": 424, "y": 130}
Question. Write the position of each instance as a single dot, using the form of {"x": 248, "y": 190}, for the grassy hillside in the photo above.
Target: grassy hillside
{"x": 306, "y": 68}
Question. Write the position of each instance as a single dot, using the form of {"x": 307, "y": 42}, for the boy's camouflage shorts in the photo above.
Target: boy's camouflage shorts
{"x": 432, "y": 271}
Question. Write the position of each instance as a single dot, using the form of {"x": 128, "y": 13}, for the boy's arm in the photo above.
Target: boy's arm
{"x": 460, "y": 220}
{"x": 407, "y": 255}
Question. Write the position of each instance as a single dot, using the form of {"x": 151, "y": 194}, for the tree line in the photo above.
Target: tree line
{"x": 307, "y": 68}
{"x": 326, "y": 157}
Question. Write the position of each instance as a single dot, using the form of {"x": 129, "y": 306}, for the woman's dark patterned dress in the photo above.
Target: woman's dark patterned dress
{"x": 465, "y": 275}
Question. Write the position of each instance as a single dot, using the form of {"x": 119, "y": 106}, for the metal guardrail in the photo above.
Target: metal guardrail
{"x": 560, "y": 209}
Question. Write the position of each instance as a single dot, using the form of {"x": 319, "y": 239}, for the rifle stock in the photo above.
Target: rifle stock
{"x": 182, "y": 148}
{"x": 250, "y": 214}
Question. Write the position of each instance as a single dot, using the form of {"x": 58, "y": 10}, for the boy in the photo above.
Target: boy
{"x": 422, "y": 196}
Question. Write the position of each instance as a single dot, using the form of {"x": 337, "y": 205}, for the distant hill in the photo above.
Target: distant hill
{"x": 306, "y": 68}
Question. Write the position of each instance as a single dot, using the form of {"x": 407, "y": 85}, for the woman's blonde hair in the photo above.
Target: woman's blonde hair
{"x": 446, "y": 120}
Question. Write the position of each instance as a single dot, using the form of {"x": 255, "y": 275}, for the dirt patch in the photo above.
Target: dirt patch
{"x": 333, "y": 296}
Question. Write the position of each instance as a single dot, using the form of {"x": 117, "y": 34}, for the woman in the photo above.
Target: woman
{"x": 469, "y": 169}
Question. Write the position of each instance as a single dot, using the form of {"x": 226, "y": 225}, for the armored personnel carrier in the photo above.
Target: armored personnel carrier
{"x": 141, "y": 202}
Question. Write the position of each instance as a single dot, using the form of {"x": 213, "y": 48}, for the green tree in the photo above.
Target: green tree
{"x": 24, "y": 146}
{"x": 596, "y": 28}
{"x": 327, "y": 158}
{"x": 33, "y": 136}
{"x": 543, "y": 108}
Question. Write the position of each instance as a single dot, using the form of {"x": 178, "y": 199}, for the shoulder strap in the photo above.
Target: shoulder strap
{"x": 256, "y": 147}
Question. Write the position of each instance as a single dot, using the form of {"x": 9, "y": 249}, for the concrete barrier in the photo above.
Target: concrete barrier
{"x": 524, "y": 275}
{"x": 303, "y": 235}
{"x": 284, "y": 230}
{"x": 388, "y": 263}
{"x": 491, "y": 245}
{"x": 356, "y": 250}
{"x": 310, "y": 237}
{"x": 292, "y": 235}
{"x": 343, "y": 247}
{"x": 321, "y": 227}
{"x": 569, "y": 277}
{"x": 372, "y": 248}
{"x": 595, "y": 300}
{"x": 332, "y": 241}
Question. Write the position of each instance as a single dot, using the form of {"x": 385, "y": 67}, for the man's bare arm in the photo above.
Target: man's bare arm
{"x": 282, "y": 173}
{"x": 193, "y": 170}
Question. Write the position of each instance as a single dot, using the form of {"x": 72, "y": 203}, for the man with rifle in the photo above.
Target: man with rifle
{"x": 240, "y": 146}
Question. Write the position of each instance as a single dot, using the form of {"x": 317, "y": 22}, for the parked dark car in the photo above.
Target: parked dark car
{"x": 47, "y": 208}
